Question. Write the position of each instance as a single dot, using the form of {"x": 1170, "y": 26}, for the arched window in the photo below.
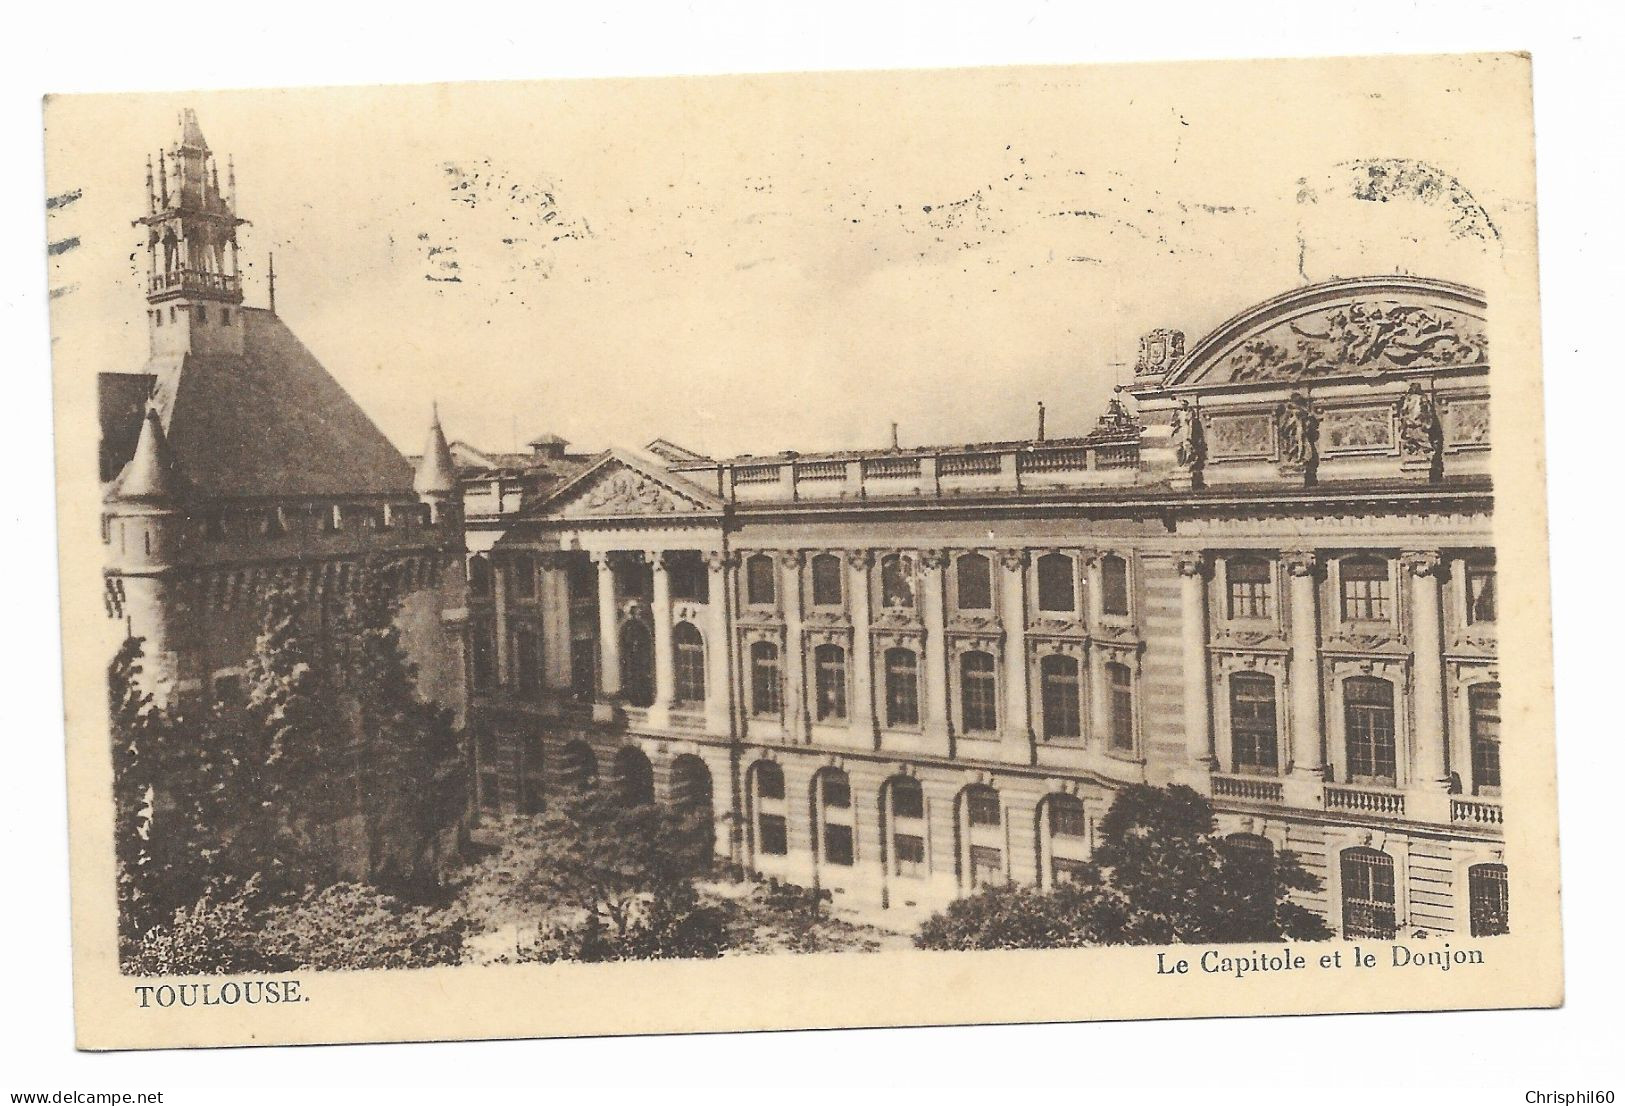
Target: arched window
{"x": 1368, "y": 727}
{"x": 766, "y": 699}
{"x": 906, "y": 827}
{"x": 1368, "y": 894}
{"x": 1120, "y": 688}
{"x": 1062, "y": 714}
{"x": 1366, "y": 593}
{"x": 1249, "y": 582}
{"x": 978, "y": 690}
{"x": 1057, "y": 583}
{"x": 772, "y": 836}
{"x": 1484, "y": 726}
{"x": 637, "y": 664}
{"x": 479, "y": 576}
{"x": 688, "y": 664}
{"x": 1067, "y": 844}
{"x": 634, "y": 776}
{"x": 691, "y": 795}
{"x": 1253, "y": 742}
{"x": 1113, "y": 585}
{"x": 896, "y": 581}
{"x": 826, "y": 580}
{"x": 829, "y": 672}
{"x": 982, "y": 831}
{"x": 973, "y": 575}
{"x": 1480, "y": 593}
{"x": 578, "y": 765}
{"x": 902, "y": 687}
{"x": 833, "y": 802}
{"x": 759, "y": 589}
{"x": 1487, "y": 899}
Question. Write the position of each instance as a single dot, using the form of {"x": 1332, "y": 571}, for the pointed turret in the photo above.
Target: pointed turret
{"x": 151, "y": 475}
{"x": 191, "y": 135}
{"x": 437, "y": 473}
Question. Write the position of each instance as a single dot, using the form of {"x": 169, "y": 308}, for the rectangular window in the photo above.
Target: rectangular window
{"x": 1368, "y": 719}
{"x": 765, "y": 697}
{"x": 829, "y": 662}
{"x": 1120, "y": 684}
{"x": 1366, "y": 595}
{"x": 775, "y": 839}
{"x": 896, "y": 582}
{"x": 908, "y": 855}
{"x": 522, "y": 578}
{"x": 1062, "y": 717}
{"x": 826, "y": 580}
{"x": 1484, "y": 725}
{"x": 974, "y": 574}
{"x": 1066, "y": 819}
{"x": 759, "y": 589}
{"x": 902, "y": 688}
{"x": 1368, "y": 894}
{"x": 979, "y": 688}
{"x": 1057, "y": 590}
{"x": 1487, "y": 899}
{"x": 527, "y": 662}
{"x": 1480, "y": 595}
{"x": 1114, "y": 586}
{"x": 837, "y": 792}
{"x": 1249, "y": 581}
{"x": 986, "y": 866}
{"x": 837, "y": 844}
{"x": 1252, "y": 723}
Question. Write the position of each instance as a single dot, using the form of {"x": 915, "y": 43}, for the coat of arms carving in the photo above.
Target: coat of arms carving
{"x": 627, "y": 493}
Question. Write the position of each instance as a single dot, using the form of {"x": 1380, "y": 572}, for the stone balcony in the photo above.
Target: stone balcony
{"x": 1359, "y": 801}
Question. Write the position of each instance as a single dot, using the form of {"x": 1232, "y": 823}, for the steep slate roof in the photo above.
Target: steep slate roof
{"x": 271, "y": 422}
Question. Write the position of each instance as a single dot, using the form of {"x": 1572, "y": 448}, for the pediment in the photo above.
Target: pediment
{"x": 1356, "y": 328}
{"x": 621, "y": 486}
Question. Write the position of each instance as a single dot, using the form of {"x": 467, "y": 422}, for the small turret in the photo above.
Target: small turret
{"x": 436, "y": 478}
{"x": 151, "y": 475}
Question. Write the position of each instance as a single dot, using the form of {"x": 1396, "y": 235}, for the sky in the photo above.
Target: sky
{"x": 751, "y": 264}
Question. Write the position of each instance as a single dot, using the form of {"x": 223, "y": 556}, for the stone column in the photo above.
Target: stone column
{"x": 865, "y": 727}
{"x": 936, "y": 717}
{"x": 555, "y": 600}
{"x": 1308, "y": 727}
{"x": 1097, "y": 735}
{"x": 1018, "y": 725}
{"x": 609, "y": 638}
{"x": 660, "y": 620}
{"x": 796, "y": 708}
{"x": 499, "y": 608}
{"x": 1193, "y": 569}
{"x": 1431, "y": 767}
{"x": 717, "y": 667}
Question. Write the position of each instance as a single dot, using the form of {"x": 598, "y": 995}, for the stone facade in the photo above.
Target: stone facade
{"x": 898, "y": 674}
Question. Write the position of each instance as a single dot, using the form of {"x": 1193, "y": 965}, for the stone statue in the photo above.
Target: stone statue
{"x": 1190, "y": 450}
{"x": 1418, "y": 424}
{"x": 1296, "y": 428}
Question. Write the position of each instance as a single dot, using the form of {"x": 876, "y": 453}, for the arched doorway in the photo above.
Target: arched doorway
{"x": 634, "y": 776}
{"x": 691, "y": 794}
{"x": 637, "y": 664}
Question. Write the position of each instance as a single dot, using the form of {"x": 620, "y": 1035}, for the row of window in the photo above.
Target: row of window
{"x": 1369, "y": 899}
{"x": 1369, "y": 907}
{"x": 1368, "y": 730}
{"x": 972, "y": 578}
{"x": 199, "y": 313}
{"x": 1060, "y": 700}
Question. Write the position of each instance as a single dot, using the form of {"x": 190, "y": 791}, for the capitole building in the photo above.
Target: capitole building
{"x": 900, "y": 674}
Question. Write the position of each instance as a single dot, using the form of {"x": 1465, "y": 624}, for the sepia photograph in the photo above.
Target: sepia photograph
{"x": 843, "y": 534}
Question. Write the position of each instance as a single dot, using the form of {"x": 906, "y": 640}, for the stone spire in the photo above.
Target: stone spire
{"x": 151, "y": 473}
{"x": 437, "y": 473}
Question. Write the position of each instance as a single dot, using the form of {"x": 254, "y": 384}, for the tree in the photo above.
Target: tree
{"x": 294, "y": 742}
{"x": 1161, "y": 875}
{"x": 410, "y": 773}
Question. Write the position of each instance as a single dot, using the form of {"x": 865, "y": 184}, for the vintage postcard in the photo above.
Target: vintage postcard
{"x": 863, "y": 549}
